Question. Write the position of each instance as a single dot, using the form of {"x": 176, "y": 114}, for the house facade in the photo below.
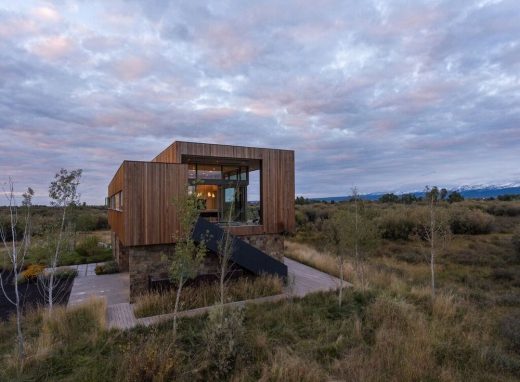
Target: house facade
{"x": 246, "y": 190}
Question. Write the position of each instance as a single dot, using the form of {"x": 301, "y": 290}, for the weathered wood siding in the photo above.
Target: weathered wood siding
{"x": 277, "y": 180}
{"x": 116, "y": 218}
{"x": 149, "y": 190}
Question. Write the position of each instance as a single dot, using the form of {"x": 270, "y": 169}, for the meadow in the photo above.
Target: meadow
{"x": 388, "y": 329}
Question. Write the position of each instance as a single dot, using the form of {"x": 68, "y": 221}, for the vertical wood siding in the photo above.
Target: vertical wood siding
{"x": 277, "y": 181}
{"x": 150, "y": 188}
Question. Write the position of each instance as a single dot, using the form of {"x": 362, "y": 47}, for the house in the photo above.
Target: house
{"x": 246, "y": 190}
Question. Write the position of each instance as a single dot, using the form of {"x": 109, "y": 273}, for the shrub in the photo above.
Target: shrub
{"x": 88, "y": 247}
{"x": 516, "y": 241}
{"x": 471, "y": 222}
{"x": 66, "y": 273}
{"x": 396, "y": 226}
{"x": 503, "y": 210}
{"x": 207, "y": 294}
{"x": 510, "y": 330}
{"x": 86, "y": 222}
{"x": 223, "y": 336}
{"x": 107, "y": 268}
{"x": 31, "y": 273}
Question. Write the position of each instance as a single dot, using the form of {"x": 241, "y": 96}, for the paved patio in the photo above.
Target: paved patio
{"x": 115, "y": 288}
{"x": 120, "y": 313}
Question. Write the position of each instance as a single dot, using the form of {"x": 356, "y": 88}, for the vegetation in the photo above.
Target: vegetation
{"x": 107, "y": 268}
{"x": 206, "y": 294}
{"x": 391, "y": 330}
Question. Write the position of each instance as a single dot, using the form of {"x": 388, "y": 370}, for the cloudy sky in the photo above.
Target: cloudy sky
{"x": 384, "y": 95}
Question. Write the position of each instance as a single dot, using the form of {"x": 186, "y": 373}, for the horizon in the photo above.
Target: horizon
{"x": 378, "y": 95}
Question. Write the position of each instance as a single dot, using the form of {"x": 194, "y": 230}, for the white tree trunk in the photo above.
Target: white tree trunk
{"x": 176, "y": 308}
{"x": 54, "y": 262}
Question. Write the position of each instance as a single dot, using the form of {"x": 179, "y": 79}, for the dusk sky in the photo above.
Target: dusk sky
{"x": 383, "y": 95}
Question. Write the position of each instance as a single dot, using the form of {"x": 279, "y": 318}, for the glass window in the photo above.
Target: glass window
{"x": 243, "y": 173}
{"x": 192, "y": 171}
{"x": 230, "y": 172}
{"x": 205, "y": 171}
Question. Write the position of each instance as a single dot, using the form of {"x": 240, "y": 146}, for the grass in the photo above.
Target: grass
{"x": 374, "y": 336}
{"x": 207, "y": 294}
{"x": 391, "y": 331}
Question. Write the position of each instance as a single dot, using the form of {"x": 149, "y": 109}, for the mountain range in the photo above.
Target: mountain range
{"x": 481, "y": 191}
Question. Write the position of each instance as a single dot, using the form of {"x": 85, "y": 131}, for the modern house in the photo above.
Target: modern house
{"x": 248, "y": 191}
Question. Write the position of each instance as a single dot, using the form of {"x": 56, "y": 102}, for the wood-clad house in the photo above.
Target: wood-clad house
{"x": 258, "y": 182}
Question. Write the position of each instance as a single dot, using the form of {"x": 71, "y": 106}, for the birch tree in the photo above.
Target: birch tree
{"x": 434, "y": 224}
{"x": 15, "y": 252}
{"x": 225, "y": 249}
{"x": 189, "y": 254}
{"x": 63, "y": 192}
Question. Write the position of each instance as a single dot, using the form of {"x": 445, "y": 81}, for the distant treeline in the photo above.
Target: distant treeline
{"x": 443, "y": 194}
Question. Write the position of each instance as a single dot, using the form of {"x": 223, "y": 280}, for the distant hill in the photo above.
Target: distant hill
{"x": 469, "y": 192}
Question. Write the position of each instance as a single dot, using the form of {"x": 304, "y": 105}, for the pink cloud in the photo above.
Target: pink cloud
{"x": 52, "y": 48}
{"x": 131, "y": 68}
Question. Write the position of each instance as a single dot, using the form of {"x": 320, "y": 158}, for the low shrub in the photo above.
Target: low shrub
{"x": 88, "y": 247}
{"x": 509, "y": 329}
{"x": 107, "y": 268}
{"x": 31, "y": 273}
{"x": 396, "y": 226}
{"x": 470, "y": 222}
{"x": 503, "y": 210}
{"x": 516, "y": 241}
{"x": 223, "y": 335}
{"x": 207, "y": 294}
{"x": 66, "y": 273}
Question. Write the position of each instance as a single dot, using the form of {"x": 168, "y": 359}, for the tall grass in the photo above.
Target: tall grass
{"x": 207, "y": 294}
{"x": 325, "y": 262}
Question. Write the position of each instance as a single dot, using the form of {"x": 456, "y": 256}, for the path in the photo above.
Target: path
{"x": 115, "y": 288}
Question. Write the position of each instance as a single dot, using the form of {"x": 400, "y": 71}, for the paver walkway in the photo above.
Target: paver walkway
{"x": 115, "y": 288}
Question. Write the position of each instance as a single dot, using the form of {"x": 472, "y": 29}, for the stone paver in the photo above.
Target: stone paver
{"x": 121, "y": 316}
{"x": 115, "y": 288}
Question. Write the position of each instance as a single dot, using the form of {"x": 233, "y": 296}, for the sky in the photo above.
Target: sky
{"x": 381, "y": 95}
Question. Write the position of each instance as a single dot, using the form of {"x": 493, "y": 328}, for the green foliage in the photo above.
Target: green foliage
{"x": 63, "y": 190}
{"x": 389, "y": 198}
{"x": 396, "y": 225}
{"x": 300, "y": 200}
{"x": 455, "y": 197}
{"x": 66, "y": 273}
{"x": 107, "y": 268}
{"x": 470, "y": 222}
{"x": 508, "y": 197}
{"x": 223, "y": 335}
{"x": 504, "y": 209}
{"x": 88, "y": 247}
{"x": 207, "y": 294}
{"x": 409, "y": 198}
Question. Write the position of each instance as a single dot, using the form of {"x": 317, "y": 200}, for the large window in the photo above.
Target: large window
{"x": 115, "y": 202}
{"x": 228, "y": 193}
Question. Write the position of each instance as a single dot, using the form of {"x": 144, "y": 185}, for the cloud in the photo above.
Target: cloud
{"x": 382, "y": 95}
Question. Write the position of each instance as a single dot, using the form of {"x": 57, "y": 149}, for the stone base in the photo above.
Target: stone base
{"x": 271, "y": 244}
{"x": 120, "y": 253}
{"x": 146, "y": 261}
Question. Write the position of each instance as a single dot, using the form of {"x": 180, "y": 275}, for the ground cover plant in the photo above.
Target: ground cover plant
{"x": 207, "y": 294}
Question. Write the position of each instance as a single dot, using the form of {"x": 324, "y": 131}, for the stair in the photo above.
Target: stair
{"x": 243, "y": 254}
